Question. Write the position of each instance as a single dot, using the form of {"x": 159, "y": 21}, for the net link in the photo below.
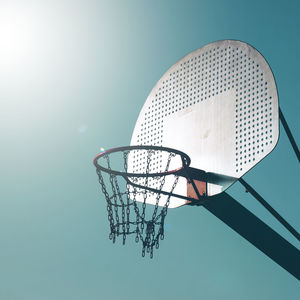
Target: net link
{"x": 126, "y": 215}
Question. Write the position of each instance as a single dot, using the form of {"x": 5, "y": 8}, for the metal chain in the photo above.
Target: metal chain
{"x": 109, "y": 206}
{"x": 162, "y": 185}
{"x": 147, "y": 231}
{"x": 125, "y": 157}
{"x": 149, "y": 154}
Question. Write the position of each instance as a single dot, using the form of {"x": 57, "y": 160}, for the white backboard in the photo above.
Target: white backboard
{"x": 218, "y": 104}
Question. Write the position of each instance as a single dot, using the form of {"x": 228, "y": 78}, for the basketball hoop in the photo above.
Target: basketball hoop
{"x": 126, "y": 191}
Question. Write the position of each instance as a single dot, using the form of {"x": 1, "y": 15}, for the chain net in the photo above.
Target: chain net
{"x": 127, "y": 207}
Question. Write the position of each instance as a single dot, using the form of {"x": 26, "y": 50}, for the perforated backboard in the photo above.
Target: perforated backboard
{"x": 218, "y": 104}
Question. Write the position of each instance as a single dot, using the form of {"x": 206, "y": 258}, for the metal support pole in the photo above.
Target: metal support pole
{"x": 247, "y": 225}
{"x": 262, "y": 201}
{"x": 289, "y": 134}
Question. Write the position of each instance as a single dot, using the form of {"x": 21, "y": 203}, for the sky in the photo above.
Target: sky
{"x": 74, "y": 76}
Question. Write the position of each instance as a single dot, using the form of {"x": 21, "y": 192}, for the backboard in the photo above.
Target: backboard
{"x": 219, "y": 105}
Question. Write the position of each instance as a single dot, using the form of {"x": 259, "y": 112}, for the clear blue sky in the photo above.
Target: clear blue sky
{"x": 73, "y": 78}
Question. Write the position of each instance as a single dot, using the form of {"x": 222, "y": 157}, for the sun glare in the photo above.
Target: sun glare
{"x": 18, "y": 38}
